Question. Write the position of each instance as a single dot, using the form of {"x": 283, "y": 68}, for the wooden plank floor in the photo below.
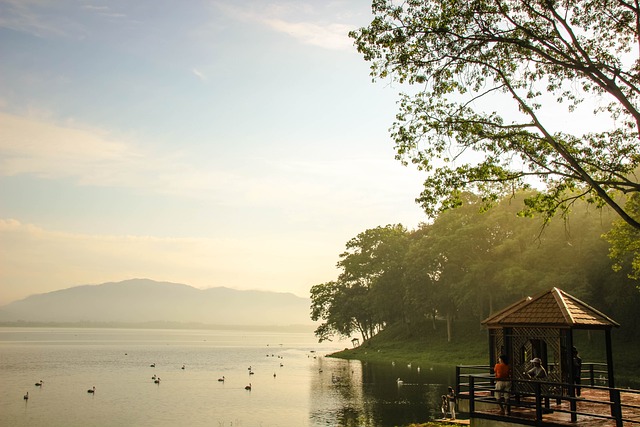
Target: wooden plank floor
{"x": 587, "y": 405}
{"x": 456, "y": 421}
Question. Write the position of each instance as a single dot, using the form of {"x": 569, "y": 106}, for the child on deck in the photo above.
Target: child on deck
{"x": 444, "y": 406}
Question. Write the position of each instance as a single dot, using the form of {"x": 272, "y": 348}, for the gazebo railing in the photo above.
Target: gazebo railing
{"x": 476, "y": 383}
{"x": 596, "y": 373}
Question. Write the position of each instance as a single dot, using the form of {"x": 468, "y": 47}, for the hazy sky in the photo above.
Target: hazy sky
{"x": 212, "y": 143}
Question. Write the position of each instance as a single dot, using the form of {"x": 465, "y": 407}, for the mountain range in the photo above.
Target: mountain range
{"x": 144, "y": 300}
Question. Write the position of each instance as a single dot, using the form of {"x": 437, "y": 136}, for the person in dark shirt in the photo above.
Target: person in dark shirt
{"x": 451, "y": 397}
{"x": 577, "y": 370}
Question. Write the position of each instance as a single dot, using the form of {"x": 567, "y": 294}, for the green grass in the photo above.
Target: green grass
{"x": 469, "y": 346}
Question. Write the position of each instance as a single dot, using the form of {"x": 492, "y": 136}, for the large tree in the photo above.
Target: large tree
{"x": 373, "y": 260}
{"x": 343, "y": 308}
{"x": 489, "y": 76}
{"x": 369, "y": 292}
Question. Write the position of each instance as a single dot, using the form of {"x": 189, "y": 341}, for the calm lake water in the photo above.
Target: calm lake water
{"x": 292, "y": 382}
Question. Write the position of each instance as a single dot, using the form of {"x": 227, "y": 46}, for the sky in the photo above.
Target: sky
{"x": 211, "y": 143}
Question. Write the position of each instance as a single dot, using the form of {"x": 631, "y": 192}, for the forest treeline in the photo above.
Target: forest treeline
{"x": 468, "y": 263}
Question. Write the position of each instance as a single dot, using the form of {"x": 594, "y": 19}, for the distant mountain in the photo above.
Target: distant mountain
{"x": 144, "y": 300}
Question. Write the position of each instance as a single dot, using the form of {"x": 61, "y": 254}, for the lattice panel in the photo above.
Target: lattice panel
{"x": 528, "y": 343}
{"x": 498, "y": 344}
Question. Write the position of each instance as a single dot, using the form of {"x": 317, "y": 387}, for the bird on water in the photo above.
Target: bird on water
{"x": 38, "y": 384}
{"x": 26, "y": 396}
{"x": 92, "y": 390}
{"x": 248, "y": 387}
{"x": 221, "y": 379}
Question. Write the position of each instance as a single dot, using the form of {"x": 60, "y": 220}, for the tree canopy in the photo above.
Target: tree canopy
{"x": 467, "y": 264}
{"x": 490, "y": 80}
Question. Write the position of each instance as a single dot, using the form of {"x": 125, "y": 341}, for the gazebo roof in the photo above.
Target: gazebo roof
{"x": 554, "y": 308}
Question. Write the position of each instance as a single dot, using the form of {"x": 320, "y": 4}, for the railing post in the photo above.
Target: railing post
{"x": 457, "y": 380}
{"x": 573, "y": 405}
{"x": 538, "y": 387}
{"x": 472, "y": 404}
{"x": 616, "y": 407}
{"x": 591, "y": 375}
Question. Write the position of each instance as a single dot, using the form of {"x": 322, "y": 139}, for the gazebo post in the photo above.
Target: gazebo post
{"x": 569, "y": 362}
{"x": 614, "y": 395}
{"x": 492, "y": 345}
{"x": 573, "y": 406}
{"x": 609, "y": 358}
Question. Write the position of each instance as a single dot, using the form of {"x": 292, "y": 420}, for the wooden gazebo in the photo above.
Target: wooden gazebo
{"x": 543, "y": 326}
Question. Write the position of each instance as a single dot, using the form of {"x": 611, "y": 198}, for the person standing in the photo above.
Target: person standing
{"x": 502, "y": 372}
{"x": 451, "y": 397}
{"x": 577, "y": 370}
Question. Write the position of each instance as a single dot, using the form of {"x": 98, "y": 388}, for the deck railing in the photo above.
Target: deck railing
{"x": 477, "y": 383}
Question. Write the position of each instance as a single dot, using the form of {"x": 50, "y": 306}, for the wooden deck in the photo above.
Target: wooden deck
{"x": 457, "y": 421}
{"x": 592, "y": 410}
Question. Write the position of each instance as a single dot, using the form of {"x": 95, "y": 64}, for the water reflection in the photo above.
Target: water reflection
{"x": 353, "y": 393}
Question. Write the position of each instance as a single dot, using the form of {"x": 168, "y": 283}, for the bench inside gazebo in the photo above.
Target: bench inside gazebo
{"x": 543, "y": 327}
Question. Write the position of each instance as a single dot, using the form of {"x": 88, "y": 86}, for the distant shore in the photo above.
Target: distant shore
{"x": 160, "y": 325}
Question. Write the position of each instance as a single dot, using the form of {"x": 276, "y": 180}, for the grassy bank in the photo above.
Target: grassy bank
{"x": 395, "y": 343}
{"x": 470, "y": 346}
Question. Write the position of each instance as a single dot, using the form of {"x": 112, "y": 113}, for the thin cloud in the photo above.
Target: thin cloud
{"x": 199, "y": 74}
{"x": 95, "y": 8}
{"x": 18, "y": 15}
{"x": 92, "y": 157}
{"x": 38, "y": 147}
{"x": 327, "y": 36}
{"x": 54, "y": 19}
{"x": 285, "y": 18}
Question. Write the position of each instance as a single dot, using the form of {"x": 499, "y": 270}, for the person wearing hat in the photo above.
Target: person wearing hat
{"x": 537, "y": 371}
